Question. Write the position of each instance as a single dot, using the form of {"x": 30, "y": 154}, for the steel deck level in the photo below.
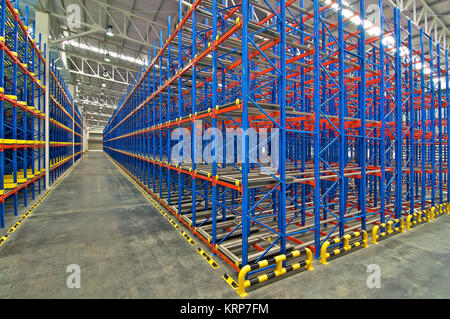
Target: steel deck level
{"x": 126, "y": 249}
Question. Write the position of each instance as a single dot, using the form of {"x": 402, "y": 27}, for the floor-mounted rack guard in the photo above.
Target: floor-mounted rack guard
{"x": 22, "y": 114}
{"x": 360, "y": 108}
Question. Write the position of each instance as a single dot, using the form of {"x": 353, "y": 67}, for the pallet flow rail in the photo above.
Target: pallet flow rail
{"x": 360, "y": 107}
{"x": 23, "y": 111}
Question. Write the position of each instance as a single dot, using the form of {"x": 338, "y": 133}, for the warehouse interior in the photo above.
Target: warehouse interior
{"x": 224, "y": 149}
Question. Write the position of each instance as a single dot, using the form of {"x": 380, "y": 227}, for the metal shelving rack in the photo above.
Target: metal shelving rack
{"x": 362, "y": 123}
{"x": 22, "y": 114}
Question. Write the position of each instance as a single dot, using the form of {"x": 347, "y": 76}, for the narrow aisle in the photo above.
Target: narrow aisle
{"x": 98, "y": 220}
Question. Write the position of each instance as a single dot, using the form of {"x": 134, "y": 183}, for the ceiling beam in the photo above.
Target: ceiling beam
{"x": 73, "y": 53}
{"x": 73, "y": 36}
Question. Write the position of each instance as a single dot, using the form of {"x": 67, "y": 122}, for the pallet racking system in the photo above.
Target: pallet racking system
{"x": 23, "y": 112}
{"x": 360, "y": 106}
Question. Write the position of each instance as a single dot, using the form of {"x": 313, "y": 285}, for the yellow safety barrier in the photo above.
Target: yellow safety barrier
{"x": 427, "y": 215}
{"x": 324, "y": 254}
{"x": 389, "y": 229}
{"x": 244, "y": 283}
{"x": 441, "y": 210}
{"x": 432, "y": 215}
{"x": 419, "y": 218}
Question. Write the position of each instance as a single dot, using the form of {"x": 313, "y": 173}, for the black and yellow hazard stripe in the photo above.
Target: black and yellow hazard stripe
{"x": 230, "y": 281}
{"x": 441, "y": 209}
{"x": 3, "y": 239}
{"x": 272, "y": 274}
{"x": 187, "y": 237}
{"x": 426, "y": 215}
{"x": 345, "y": 244}
{"x": 278, "y": 262}
{"x": 339, "y": 251}
{"x": 272, "y": 261}
{"x": 14, "y": 227}
{"x": 416, "y": 219}
{"x": 387, "y": 230}
{"x": 174, "y": 224}
{"x": 208, "y": 258}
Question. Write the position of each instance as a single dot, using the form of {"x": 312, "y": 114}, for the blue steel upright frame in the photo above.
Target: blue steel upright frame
{"x": 352, "y": 104}
{"x": 22, "y": 113}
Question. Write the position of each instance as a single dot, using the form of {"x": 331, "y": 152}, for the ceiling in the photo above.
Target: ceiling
{"x": 136, "y": 24}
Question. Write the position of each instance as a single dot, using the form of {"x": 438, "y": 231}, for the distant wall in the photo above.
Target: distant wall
{"x": 95, "y": 141}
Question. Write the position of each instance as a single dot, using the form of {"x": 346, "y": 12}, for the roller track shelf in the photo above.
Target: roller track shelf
{"x": 22, "y": 115}
{"x": 361, "y": 111}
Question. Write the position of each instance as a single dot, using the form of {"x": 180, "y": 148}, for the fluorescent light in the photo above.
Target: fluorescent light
{"x": 84, "y": 46}
{"x": 64, "y": 56}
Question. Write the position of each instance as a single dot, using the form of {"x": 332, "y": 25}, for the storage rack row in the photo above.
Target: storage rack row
{"x": 23, "y": 111}
{"x": 356, "y": 109}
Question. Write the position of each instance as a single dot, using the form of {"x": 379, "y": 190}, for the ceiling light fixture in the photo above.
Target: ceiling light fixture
{"x": 107, "y": 57}
{"x": 109, "y": 32}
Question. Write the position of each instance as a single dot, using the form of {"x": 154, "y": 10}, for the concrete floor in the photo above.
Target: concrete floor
{"x": 97, "y": 219}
